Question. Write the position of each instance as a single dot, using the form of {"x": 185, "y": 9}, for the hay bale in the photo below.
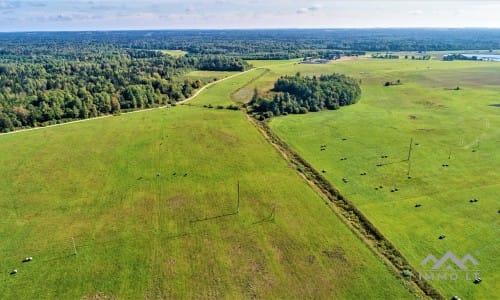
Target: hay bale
{"x": 13, "y": 272}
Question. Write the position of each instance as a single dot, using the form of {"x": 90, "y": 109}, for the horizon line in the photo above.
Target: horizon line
{"x": 250, "y": 29}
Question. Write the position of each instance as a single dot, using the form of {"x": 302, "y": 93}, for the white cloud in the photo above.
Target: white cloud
{"x": 302, "y": 10}
{"x": 315, "y": 7}
{"x": 9, "y": 5}
{"x": 120, "y": 14}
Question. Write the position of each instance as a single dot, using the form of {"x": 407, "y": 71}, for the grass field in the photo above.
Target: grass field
{"x": 460, "y": 129}
{"x": 150, "y": 199}
{"x": 207, "y": 76}
{"x": 174, "y": 53}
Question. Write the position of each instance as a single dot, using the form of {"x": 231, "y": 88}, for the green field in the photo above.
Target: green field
{"x": 458, "y": 128}
{"x": 207, "y": 76}
{"x": 174, "y": 53}
{"x": 150, "y": 199}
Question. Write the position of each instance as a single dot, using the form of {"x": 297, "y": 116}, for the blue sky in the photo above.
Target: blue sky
{"x": 34, "y": 15}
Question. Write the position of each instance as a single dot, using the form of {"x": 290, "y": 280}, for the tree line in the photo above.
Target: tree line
{"x": 301, "y": 94}
{"x": 255, "y": 44}
{"x": 38, "y": 89}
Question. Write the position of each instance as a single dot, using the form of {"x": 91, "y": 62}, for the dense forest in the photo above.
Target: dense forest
{"x": 38, "y": 88}
{"x": 301, "y": 94}
{"x": 263, "y": 44}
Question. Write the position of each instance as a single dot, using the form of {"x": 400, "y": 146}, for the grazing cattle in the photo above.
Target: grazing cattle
{"x": 442, "y": 236}
{"x": 418, "y": 205}
{"x": 13, "y": 272}
{"x": 27, "y": 259}
{"x": 477, "y": 280}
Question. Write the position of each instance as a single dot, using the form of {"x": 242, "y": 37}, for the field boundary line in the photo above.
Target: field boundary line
{"x": 351, "y": 216}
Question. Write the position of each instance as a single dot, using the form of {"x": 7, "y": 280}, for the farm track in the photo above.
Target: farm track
{"x": 266, "y": 71}
{"x": 351, "y": 216}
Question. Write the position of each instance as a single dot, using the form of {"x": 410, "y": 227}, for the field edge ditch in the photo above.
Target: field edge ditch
{"x": 351, "y": 216}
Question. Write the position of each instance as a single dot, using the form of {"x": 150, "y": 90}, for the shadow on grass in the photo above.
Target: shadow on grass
{"x": 391, "y": 163}
{"x": 495, "y": 105}
{"x": 214, "y": 218}
{"x": 269, "y": 219}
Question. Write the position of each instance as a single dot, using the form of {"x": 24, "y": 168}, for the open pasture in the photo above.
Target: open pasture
{"x": 455, "y": 157}
{"x": 150, "y": 199}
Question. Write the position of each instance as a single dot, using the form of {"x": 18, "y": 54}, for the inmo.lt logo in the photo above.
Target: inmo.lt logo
{"x": 450, "y": 267}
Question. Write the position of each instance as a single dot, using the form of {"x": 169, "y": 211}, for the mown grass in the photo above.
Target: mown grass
{"x": 150, "y": 200}
{"x": 448, "y": 126}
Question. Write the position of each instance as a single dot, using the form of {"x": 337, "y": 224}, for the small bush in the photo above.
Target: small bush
{"x": 407, "y": 273}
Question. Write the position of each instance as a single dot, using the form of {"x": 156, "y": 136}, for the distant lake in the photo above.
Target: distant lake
{"x": 490, "y": 57}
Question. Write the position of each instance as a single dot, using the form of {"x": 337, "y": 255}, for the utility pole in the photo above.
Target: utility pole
{"x": 273, "y": 213}
{"x": 238, "y": 208}
{"x": 74, "y": 245}
{"x": 411, "y": 147}
{"x": 409, "y": 157}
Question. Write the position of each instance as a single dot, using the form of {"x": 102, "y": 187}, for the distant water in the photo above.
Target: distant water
{"x": 490, "y": 57}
